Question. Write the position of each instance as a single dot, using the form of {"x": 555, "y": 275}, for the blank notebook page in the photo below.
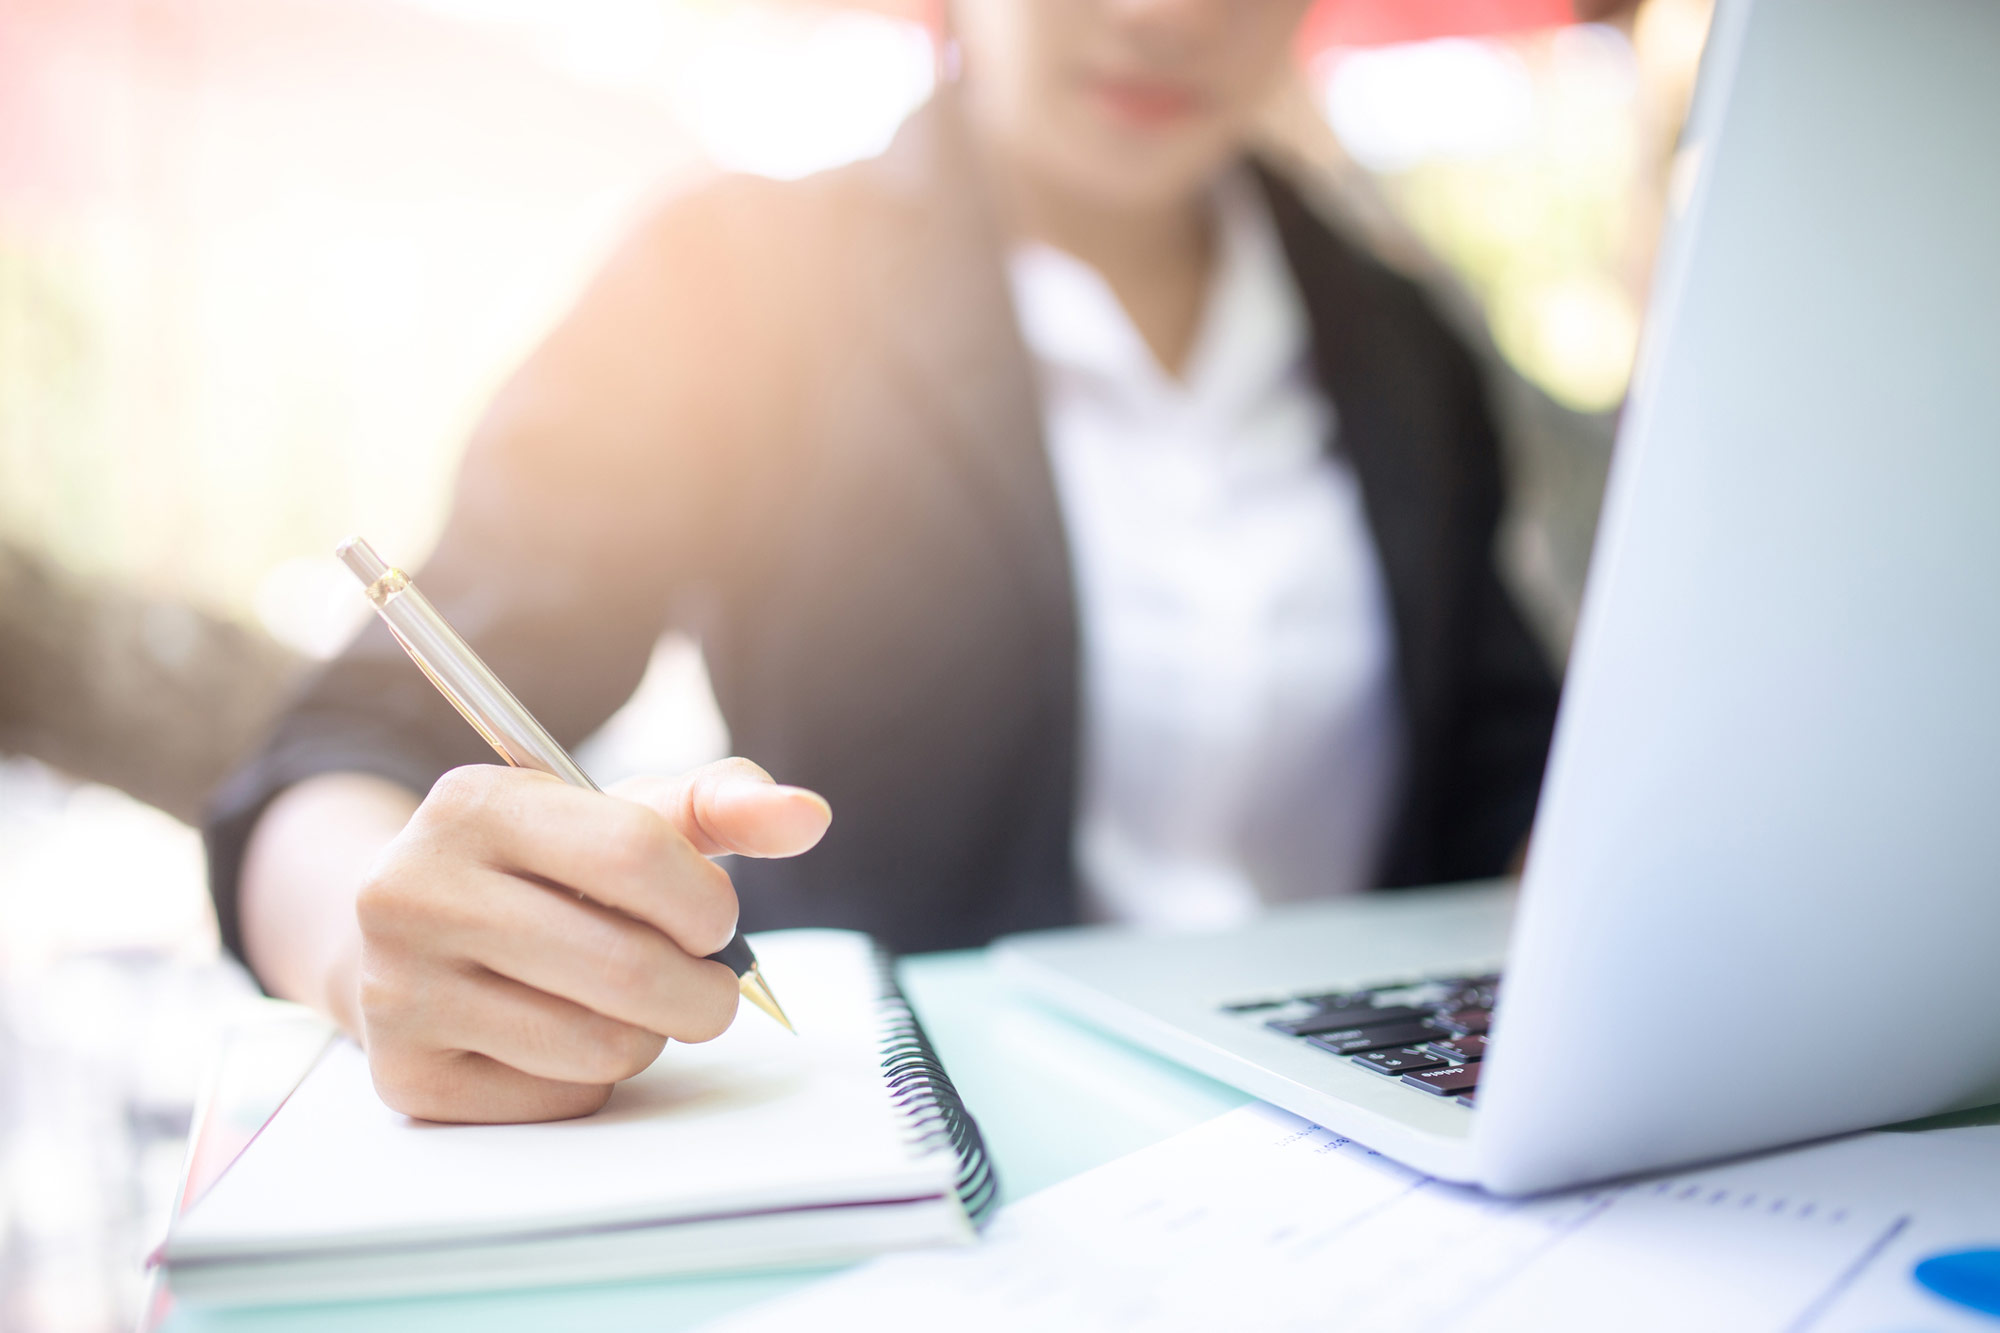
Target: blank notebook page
{"x": 756, "y": 1120}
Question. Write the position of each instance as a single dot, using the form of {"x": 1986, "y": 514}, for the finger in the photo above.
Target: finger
{"x": 466, "y": 1088}
{"x": 603, "y": 960}
{"x": 619, "y": 853}
{"x": 535, "y": 1032}
{"x": 734, "y": 806}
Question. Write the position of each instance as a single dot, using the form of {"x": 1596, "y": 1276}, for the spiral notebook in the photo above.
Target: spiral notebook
{"x": 756, "y": 1150}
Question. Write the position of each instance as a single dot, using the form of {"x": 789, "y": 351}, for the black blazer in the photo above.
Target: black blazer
{"x": 797, "y": 419}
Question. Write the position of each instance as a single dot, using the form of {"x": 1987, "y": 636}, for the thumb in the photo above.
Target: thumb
{"x": 733, "y": 806}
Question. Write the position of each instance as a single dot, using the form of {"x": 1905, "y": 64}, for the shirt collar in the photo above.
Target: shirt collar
{"x": 1253, "y": 331}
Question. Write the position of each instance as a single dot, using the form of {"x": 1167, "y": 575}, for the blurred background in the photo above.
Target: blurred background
{"x": 263, "y": 261}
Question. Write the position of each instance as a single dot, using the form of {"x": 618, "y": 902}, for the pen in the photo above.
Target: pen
{"x": 462, "y": 677}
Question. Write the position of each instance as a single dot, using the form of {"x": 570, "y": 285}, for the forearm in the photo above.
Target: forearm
{"x": 310, "y": 853}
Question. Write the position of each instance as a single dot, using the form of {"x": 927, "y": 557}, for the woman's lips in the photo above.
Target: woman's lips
{"x": 1144, "y": 103}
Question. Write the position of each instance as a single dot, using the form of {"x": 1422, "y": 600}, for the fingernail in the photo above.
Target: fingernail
{"x": 809, "y": 795}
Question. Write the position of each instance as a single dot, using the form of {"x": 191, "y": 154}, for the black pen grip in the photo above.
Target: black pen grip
{"x": 735, "y": 955}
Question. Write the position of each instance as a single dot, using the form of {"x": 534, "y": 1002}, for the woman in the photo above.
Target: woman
{"x": 1094, "y": 529}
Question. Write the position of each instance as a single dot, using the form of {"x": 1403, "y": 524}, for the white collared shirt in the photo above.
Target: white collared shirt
{"x": 1241, "y": 734}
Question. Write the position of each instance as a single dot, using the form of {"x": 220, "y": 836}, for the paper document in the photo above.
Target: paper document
{"x": 1262, "y": 1220}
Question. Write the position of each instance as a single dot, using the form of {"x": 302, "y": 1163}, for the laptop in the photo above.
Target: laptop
{"x": 1762, "y": 902}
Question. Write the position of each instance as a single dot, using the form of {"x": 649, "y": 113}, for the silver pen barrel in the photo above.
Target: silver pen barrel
{"x": 459, "y": 673}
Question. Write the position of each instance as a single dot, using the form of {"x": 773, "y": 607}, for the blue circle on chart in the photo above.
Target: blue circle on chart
{"x": 1968, "y": 1277}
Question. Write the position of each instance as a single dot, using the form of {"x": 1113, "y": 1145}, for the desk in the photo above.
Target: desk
{"x": 1053, "y": 1097}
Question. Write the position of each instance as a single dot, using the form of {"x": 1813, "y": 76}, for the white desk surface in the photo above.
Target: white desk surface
{"x": 1054, "y": 1099}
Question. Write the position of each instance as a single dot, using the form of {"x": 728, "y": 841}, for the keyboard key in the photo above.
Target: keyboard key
{"x": 1459, "y": 1050}
{"x": 1447, "y": 1081}
{"x": 1468, "y": 1098}
{"x": 1335, "y": 999}
{"x": 1465, "y": 1022}
{"x": 1358, "y": 1016}
{"x": 1251, "y": 1006}
{"x": 1353, "y": 1041}
{"x": 1398, "y": 1060}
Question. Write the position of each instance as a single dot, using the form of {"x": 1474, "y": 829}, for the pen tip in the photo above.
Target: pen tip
{"x": 756, "y": 990}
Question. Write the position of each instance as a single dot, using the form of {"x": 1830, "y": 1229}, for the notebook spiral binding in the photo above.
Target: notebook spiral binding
{"x": 923, "y": 1091}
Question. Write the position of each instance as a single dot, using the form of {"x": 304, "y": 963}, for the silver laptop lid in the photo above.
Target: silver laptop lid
{"x": 1763, "y": 901}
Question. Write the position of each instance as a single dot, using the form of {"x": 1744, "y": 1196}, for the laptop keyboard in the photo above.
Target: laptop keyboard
{"x": 1429, "y": 1034}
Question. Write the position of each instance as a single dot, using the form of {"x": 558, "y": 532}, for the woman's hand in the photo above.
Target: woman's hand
{"x": 524, "y": 945}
